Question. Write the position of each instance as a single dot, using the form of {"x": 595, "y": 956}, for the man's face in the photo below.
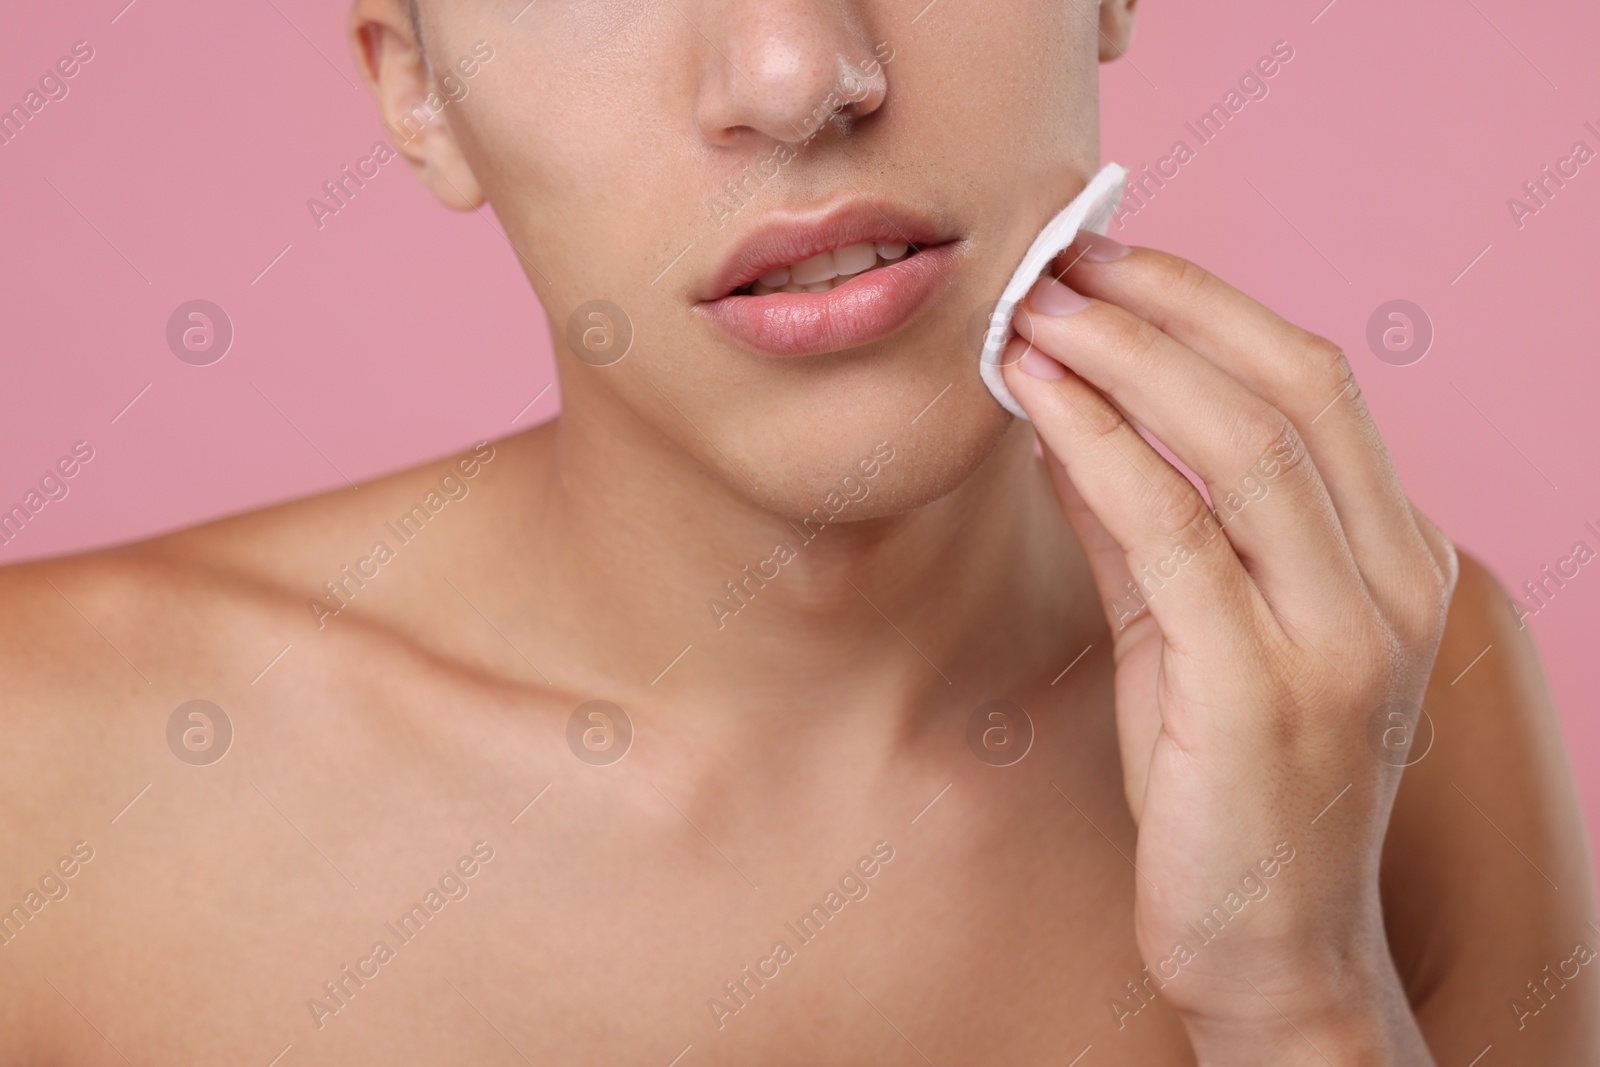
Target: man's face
{"x": 638, "y": 154}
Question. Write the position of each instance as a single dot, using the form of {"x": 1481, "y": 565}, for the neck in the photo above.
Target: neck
{"x": 672, "y": 585}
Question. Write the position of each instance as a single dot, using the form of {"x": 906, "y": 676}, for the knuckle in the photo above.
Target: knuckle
{"x": 1426, "y": 605}
{"x": 1322, "y": 365}
{"x": 1177, "y": 506}
{"x": 1442, "y": 549}
{"x": 1273, "y": 444}
{"x": 1182, "y": 278}
{"x": 1449, "y": 568}
{"x": 1266, "y": 431}
{"x": 1418, "y": 602}
{"x": 1099, "y": 415}
{"x": 1132, "y": 337}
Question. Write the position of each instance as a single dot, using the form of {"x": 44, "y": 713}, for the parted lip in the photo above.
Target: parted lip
{"x": 785, "y": 239}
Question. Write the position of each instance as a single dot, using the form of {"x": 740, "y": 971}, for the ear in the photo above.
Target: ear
{"x": 414, "y": 111}
{"x": 1116, "y": 28}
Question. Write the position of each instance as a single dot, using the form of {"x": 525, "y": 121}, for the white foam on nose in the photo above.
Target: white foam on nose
{"x": 1090, "y": 210}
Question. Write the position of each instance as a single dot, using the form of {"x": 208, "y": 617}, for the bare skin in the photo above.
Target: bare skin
{"x": 816, "y": 742}
{"x": 408, "y": 728}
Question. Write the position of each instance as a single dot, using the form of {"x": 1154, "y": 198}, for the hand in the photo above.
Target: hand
{"x": 1254, "y": 643}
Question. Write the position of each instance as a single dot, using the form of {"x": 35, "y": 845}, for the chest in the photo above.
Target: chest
{"x": 400, "y": 906}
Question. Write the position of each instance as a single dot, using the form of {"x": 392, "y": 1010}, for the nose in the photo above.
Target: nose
{"x": 784, "y": 69}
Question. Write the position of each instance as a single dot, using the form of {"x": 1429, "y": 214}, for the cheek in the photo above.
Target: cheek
{"x": 569, "y": 179}
{"x": 1054, "y": 51}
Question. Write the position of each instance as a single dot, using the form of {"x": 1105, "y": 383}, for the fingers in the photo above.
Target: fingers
{"x": 1107, "y": 562}
{"x": 1159, "y": 521}
{"x": 1139, "y": 722}
{"x": 1300, "y": 374}
{"x": 1444, "y": 552}
{"x": 1268, "y": 496}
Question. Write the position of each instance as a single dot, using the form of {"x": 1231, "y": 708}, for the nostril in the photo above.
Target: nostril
{"x": 854, "y": 95}
{"x": 860, "y": 89}
{"x": 856, "y": 85}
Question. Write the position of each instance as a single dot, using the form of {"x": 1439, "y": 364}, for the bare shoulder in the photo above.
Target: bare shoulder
{"x": 1487, "y": 883}
{"x": 290, "y": 547}
{"x": 70, "y": 621}
{"x": 99, "y": 652}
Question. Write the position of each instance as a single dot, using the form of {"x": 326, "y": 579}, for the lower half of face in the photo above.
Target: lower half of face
{"x": 770, "y": 289}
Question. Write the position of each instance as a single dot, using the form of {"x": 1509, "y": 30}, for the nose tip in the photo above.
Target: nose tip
{"x": 788, "y": 78}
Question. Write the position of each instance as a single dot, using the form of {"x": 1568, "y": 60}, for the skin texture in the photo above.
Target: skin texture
{"x": 774, "y": 749}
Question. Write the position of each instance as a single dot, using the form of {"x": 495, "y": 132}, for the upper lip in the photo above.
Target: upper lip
{"x": 782, "y": 241}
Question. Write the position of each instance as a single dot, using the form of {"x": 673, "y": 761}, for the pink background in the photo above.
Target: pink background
{"x": 1378, "y": 167}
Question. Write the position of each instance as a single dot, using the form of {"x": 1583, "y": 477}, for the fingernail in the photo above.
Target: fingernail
{"x": 1100, "y": 249}
{"x": 1050, "y": 297}
{"x": 1039, "y": 365}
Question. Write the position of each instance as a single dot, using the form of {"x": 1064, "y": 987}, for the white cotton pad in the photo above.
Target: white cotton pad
{"x": 1090, "y": 210}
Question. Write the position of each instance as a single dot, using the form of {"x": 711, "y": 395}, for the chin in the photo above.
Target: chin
{"x": 857, "y": 454}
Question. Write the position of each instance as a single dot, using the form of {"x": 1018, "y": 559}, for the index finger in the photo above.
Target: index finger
{"x": 1303, "y": 375}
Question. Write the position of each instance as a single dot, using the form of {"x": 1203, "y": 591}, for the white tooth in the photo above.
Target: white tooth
{"x": 793, "y": 287}
{"x": 777, "y": 279}
{"x": 892, "y": 250}
{"x": 761, "y": 289}
{"x": 819, "y": 268}
{"x": 854, "y": 259}
{"x": 820, "y": 287}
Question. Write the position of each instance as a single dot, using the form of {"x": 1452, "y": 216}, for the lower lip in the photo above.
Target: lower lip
{"x": 867, "y": 308}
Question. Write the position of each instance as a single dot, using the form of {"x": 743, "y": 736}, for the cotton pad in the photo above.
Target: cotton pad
{"x": 1090, "y": 210}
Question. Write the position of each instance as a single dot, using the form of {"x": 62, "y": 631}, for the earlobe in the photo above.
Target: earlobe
{"x": 445, "y": 170}
{"x": 396, "y": 71}
{"x": 1116, "y": 28}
